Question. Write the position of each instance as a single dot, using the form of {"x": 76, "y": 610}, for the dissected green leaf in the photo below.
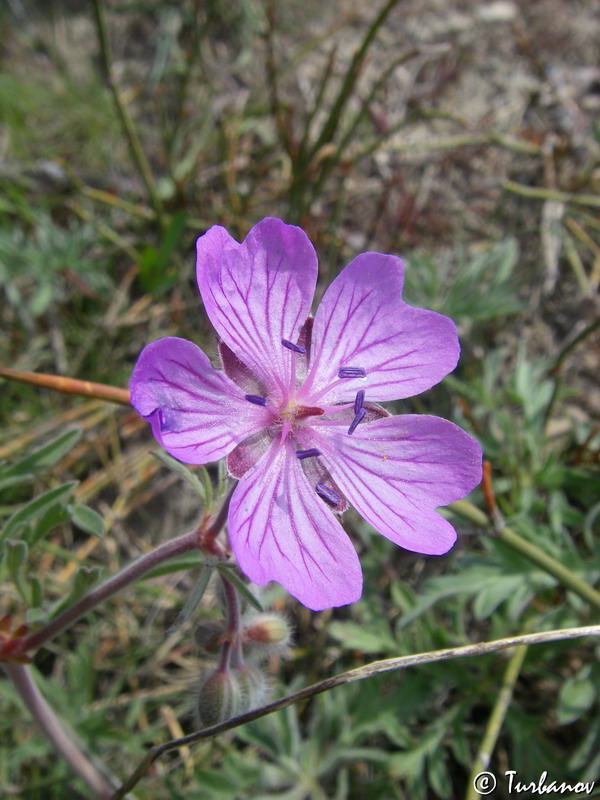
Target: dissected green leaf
{"x": 369, "y": 639}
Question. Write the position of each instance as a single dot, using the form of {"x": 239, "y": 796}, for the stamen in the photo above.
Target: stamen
{"x": 297, "y": 348}
{"x": 327, "y": 494}
{"x": 164, "y": 420}
{"x": 358, "y": 401}
{"x": 257, "y": 399}
{"x": 312, "y": 452}
{"x": 357, "y": 420}
{"x": 352, "y": 372}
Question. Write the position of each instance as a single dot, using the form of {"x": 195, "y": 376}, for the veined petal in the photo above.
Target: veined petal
{"x": 395, "y": 471}
{"x": 362, "y": 321}
{"x": 281, "y": 530}
{"x": 258, "y": 292}
{"x": 196, "y": 412}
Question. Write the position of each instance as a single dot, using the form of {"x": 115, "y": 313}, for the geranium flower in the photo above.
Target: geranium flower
{"x": 295, "y": 409}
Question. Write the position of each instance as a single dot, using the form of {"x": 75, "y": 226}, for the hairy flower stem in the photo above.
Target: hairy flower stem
{"x": 198, "y": 539}
{"x": 563, "y": 574}
{"x": 48, "y": 723}
{"x": 234, "y": 639}
{"x": 175, "y": 547}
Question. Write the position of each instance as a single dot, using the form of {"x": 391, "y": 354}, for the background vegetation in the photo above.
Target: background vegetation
{"x": 459, "y": 135}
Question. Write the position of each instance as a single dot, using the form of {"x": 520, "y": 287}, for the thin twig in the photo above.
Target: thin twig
{"x": 494, "y": 726}
{"x": 358, "y": 674}
{"x": 563, "y": 574}
{"x": 96, "y": 777}
{"x": 358, "y": 60}
{"x": 570, "y": 346}
{"x": 129, "y": 128}
{"x": 539, "y": 193}
{"x": 61, "y": 383}
{"x": 490, "y": 498}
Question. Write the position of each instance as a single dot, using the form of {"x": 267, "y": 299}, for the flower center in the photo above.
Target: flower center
{"x": 292, "y": 412}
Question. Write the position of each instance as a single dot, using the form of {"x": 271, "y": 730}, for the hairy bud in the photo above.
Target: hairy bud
{"x": 220, "y": 697}
{"x": 225, "y": 693}
{"x": 254, "y": 686}
{"x": 267, "y": 630}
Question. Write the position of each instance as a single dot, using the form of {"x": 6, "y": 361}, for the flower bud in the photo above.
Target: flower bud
{"x": 220, "y": 697}
{"x": 254, "y": 686}
{"x": 267, "y": 630}
{"x": 226, "y": 693}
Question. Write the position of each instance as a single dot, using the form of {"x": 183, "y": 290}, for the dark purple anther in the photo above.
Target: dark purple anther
{"x": 257, "y": 399}
{"x": 358, "y": 401}
{"x": 357, "y": 420}
{"x": 297, "y": 348}
{"x": 327, "y": 494}
{"x": 163, "y": 420}
{"x": 310, "y": 453}
{"x": 352, "y": 372}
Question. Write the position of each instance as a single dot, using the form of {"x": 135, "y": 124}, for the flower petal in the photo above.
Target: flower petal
{"x": 196, "y": 412}
{"x": 281, "y": 530}
{"x": 362, "y": 321}
{"x": 395, "y": 471}
{"x": 258, "y": 292}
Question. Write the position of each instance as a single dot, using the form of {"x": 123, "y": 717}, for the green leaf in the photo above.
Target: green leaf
{"x": 184, "y": 561}
{"x": 228, "y": 570}
{"x": 35, "y": 507}
{"x": 194, "y": 599}
{"x": 16, "y": 559}
{"x": 183, "y": 472}
{"x": 154, "y": 262}
{"x": 495, "y": 593}
{"x": 84, "y": 578}
{"x": 576, "y": 696}
{"x": 370, "y": 639}
{"x": 87, "y": 519}
{"x": 41, "y": 459}
{"x": 220, "y": 785}
{"x": 55, "y": 515}
{"x": 36, "y": 594}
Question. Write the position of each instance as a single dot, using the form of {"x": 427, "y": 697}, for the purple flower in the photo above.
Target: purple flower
{"x": 295, "y": 409}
